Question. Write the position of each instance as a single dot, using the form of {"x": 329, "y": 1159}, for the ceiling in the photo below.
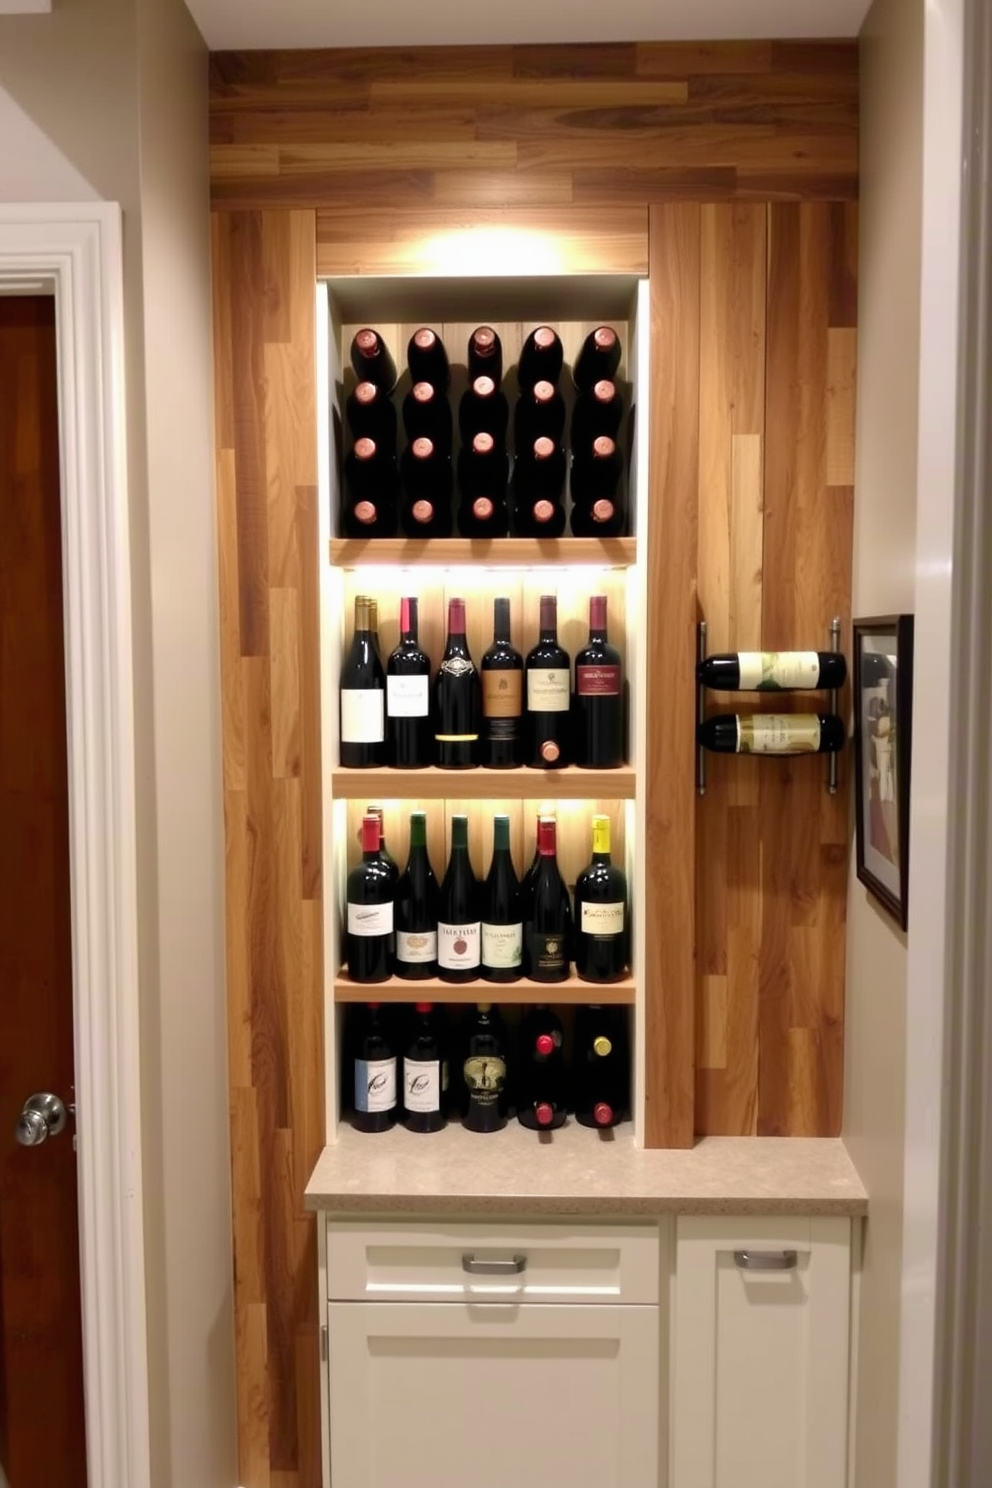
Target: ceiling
{"x": 249, "y": 24}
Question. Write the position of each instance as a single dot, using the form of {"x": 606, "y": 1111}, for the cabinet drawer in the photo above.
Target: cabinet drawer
{"x": 528, "y": 1263}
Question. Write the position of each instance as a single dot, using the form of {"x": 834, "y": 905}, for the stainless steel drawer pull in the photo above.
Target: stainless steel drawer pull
{"x": 765, "y": 1260}
{"x": 510, "y": 1267}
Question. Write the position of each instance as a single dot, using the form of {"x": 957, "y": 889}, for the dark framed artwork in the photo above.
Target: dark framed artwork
{"x": 883, "y": 739}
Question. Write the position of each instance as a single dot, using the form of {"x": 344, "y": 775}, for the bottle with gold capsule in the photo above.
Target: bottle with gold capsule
{"x": 601, "y": 1066}
{"x": 601, "y": 913}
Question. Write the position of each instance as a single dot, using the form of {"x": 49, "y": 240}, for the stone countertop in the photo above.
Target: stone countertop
{"x": 574, "y": 1171}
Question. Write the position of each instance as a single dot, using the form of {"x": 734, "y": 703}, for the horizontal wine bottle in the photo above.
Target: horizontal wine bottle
{"x": 485, "y": 355}
{"x": 541, "y": 358}
{"x": 540, "y": 411}
{"x": 773, "y": 671}
{"x": 372, "y": 361}
{"x": 483, "y": 409}
{"x": 595, "y": 471}
{"x": 598, "y": 411}
{"x": 772, "y": 733}
{"x": 598, "y": 359}
{"x": 427, "y": 414}
{"x": 427, "y": 488}
{"x": 427, "y": 359}
{"x": 371, "y": 415}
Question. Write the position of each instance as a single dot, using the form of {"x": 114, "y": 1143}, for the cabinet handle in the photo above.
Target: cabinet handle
{"x": 765, "y": 1260}
{"x": 510, "y": 1267}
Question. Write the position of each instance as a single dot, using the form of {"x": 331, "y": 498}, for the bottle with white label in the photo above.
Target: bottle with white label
{"x": 408, "y": 696}
{"x": 374, "y": 1061}
{"x": 459, "y": 928}
{"x": 423, "y": 1073}
{"x": 363, "y": 695}
{"x": 601, "y": 913}
{"x": 369, "y": 927}
{"x": 548, "y": 679}
{"x": 417, "y": 909}
{"x": 502, "y": 920}
{"x": 773, "y": 671}
{"x": 772, "y": 733}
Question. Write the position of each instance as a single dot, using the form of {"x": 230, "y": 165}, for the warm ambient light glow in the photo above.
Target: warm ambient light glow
{"x": 489, "y": 250}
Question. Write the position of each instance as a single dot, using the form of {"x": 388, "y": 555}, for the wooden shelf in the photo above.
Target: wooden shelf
{"x": 503, "y": 552}
{"x": 432, "y": 989}
{"x": 525, "y": 784}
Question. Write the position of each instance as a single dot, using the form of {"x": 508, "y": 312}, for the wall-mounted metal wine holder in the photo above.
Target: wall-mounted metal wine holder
{"x": 701, "y": 690}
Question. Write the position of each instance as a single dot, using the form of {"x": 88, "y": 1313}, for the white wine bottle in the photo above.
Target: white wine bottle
{"x": 773, "y": 671}
{"x": 772, "y": 733}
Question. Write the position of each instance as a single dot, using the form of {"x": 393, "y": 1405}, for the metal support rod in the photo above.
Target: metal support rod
{"x": 832, "y": 766}
{"x": 700, "y": 709}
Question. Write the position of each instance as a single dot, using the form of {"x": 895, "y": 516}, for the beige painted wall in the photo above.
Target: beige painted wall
{"x": 884, "y": 583}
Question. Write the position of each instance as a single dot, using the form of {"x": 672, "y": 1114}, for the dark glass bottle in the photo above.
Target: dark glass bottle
{"x": 502, "y": 920}
{"x": 485, "y": 355}
{"x": 772, "y": 733}
{"x": 427, "y": 487}
{"x": 371, "y": 360}
{"x": 529, "y": 878}
{"x": 483, "y": 517}
{"x": 598, "y": 358}
{"x": 371, "y": 415}
{"x": 540, "y": 411}
{"x": 385, "y": 856}
{"x": 459, "y": 927}
{"x": 427, "y": 359}
{"x": 427, "y": 415}
{"x": 374, "y": 1071}
{"x": 423, "y": 1072}
{"x": 363, "y": 696}
{"x": 598, "y": 705}
{"x": 370, "y": 893}
{"x": 483, "y": 409}
{"x": 541, "y": 1082}
{"x": 596, "y": 470}
{"x": 548, "y": 694}
{"x": 371, "y": 485}
{"x": 484, "y": 1073}
{"x": 773, "y": 671}
{"x": 408, "y": 696}
{"x": 600, "y": 1067}
{"x": 541, "y": 358}
{"x": 598, "y": 411}
{"x": 602, "y": 927}
{"x": 502, "y": 696}
{"x": 547, "y": 915}
{"x": 538, "y": 480}
{"x": 417, "y": 909}
{"x": 483, "y": 468}
{"x": 605, "y": 517}
{"x": 457, "y": 697}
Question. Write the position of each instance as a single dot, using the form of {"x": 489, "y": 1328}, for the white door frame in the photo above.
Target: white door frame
{"x": 74, "y": 252}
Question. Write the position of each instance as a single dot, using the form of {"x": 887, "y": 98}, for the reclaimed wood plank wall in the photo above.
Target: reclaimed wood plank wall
{"x": 730, "y": 171}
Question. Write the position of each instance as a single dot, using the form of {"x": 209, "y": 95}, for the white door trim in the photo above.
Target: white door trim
{"x": 74, "y": 251}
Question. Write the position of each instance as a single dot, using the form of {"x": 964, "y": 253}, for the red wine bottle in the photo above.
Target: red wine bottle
{"x": 773, "y": 671}
{"x": 596, "y": 470}
{"x": 541, "y": 1084}
{"x": 408, "y": 701}
{"x": 541, "y": 358}
{"x": 385, "y": 856}
{"x": 485, "y": 355}
{"x": 363, "y": 697}
{"x": 483, "y": 517}
{"x": 484, "y": 1073}
{"x": 370, "y": 894}
{"x": 528, "y": 880}
{"x": 427, "y": 359}
{"x": 423, "y": 1072}
{"x": 502, "y": 922}
{"x": 457, "y": 698}
{"x": 417, "y": 909}
{"x": 371, "y": 483}
{"x": 601, "y": 1067}
{"x": 540, "y": 411}
{"x": 427, "y": 414}
{"x": 772, "y": 733}
{"x": 427, "y": 487}
{"x": 483, "y": 409}
{"x": 374, "y": 1071}
{"x": 459, "y": 927}
{"x": 598, "y": 359}
{"x": 538, "y": 478}
{"x": 502, "y": 696}
{"x": 601, "y": 913}
{"x": 483, "y": 468}
{"x": 606, "y": 517}
{"x": 598, "y": 411}
{"x": 371, "y": 360}
{"x": 598, "y": 710}
{"x": 547, "y": 670}
{"x": 371, "y": 415}
{"x": 547, "y": 915}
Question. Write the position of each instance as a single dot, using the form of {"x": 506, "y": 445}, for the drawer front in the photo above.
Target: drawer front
{"x": 527, "y": 1263}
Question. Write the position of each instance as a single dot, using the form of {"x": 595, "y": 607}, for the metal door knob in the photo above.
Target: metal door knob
{"x": 43, "y": 1116}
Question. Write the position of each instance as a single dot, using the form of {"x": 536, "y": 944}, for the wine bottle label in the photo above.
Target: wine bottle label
{"x": 778, "y": 733}
{"x": 375, "y": 1084}
{"x": 416, "y": 946}
{"x": 502, "y": 945}
{"x": 407, "y": 697}
{"x": 363, "y": 715}
{"x": 457, "y": 666}
{"x": 370, "y": 919}
{"x": 502, "y": 730}
{"x": 485, "y": 1076}
{"x": 775, "y": 671}
{"x": 422, "y": 1084}
{"x": 602, "y": 919}
{"x": 597, "y": 681}
{"x": 458, "y": 946}
{"x": 502, "y": 694}
{"x": 547, "y": 690}
{"x": 548, "y": 952}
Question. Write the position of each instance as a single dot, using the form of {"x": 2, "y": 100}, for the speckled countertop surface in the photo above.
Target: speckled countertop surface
{"x": 580, "y": 1172}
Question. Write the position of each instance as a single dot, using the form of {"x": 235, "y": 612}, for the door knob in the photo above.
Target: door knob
{"x": 43, "y": 1116}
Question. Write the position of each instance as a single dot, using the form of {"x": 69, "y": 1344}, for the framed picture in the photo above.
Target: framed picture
{"x": 883, "y": 736}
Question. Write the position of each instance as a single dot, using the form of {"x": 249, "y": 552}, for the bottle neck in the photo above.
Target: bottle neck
{"x": 409, "y": 621}
{"x": 456, "y": 642}
{"x": 459, "y": 836}
{"x": 597, "y": 618}
{"x": 501, "y": 834}
{"x": 418, "y": 831}
{"x": 501, "y": 620}
{"x": 548, "y": 618}
{"x": 546, "y": 840}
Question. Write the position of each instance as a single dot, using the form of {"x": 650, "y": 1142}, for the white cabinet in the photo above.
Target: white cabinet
{"x": 760, "y": 1353}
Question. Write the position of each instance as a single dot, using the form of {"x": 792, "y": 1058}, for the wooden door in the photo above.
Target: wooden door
{"x": 42, "y": 1437}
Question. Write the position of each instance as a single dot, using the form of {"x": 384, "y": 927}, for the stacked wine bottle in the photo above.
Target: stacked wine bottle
{"x": 772, "y": 733}
{"x": 512, "y": 475}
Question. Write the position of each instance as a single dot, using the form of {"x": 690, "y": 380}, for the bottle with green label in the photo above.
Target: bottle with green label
{"x": 502, "y": 921}
{"x": 772, "y": 733}
{"x": 773, "y": 671}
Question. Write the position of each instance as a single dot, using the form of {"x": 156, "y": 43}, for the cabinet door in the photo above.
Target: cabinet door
{"x": 759, "y": 1361}
{"x": 493, "y": 1395}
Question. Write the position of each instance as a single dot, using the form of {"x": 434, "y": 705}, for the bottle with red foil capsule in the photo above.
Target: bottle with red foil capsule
{"x": 597, "y": 733}
{"x": 598, "y": 411}
{"x": 600, "y": 1066}
{"x": 371, "y": 414}
{"x": 485, "y": 355}
{"x": 483, "y": 472}
{"x": 371, "y": 359}
{"x": 598, "y": 359}
{"x": 540, "y": 410}
{"x": 538, "y": 478}
{"x": 483, "y": 408}
{"x": 427, "y": 486}
{"x": 371, "y": 892}
{"x": 541, "y": 358}
{"x": 541, "y": 1084}
{"x": 547, "y": 682}
{"x": 427, "y": 414}
{"x": 371, "y": 484}
{"x": 596, "y": 470}
{"x": 427, "y": 359}
{"x": 547, "y": 913}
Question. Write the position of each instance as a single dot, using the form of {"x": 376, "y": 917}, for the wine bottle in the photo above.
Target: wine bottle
{"x": 598, "y": 711}
{"x": 538, "y": 478}
{"x": 773, "y": 671}
{"x": 483, "y": 409}
{"x": 483, "y": 517}
{"x": 548, "y": 698}
{"x": 485, "y": 1096}
{"x": 596, "y": 471}
{"x": 408, "y": 701}
{"x": 457, "y": 700}
{"x": 371, "y": 484}
{"x": 485, "y": 355}
{"x": 459, "y": 928}
{"x": 601, "y": 913}
{"x": 427, "y": 359}
{"x": 502, "y": 922}
{"x": 371, "y": 359}
{"x": 374, "y": 1070}
{"x": 605, "y": 517}
{"x": 427, "y": 415}
{"x": 427, "y": 486}
{"x": 370, "y": 893}
{"x": 601, "y": 1067}
{"x": 530, "y": 877}
{"x": 541, "y": 1084}
{"x": 598, "y": 411}
{"x": 547, "y": 916}
{"x": 540, "y": 411}
{"x": 423, "y": 1073}
{"x": 598, "y": 359}
{"x": 363, "y": 696}
{"x": 417, "y": 909}
{"x": 385, "y": 856}
{"x": 541, "y": 358}
{"x": 483, "y": 468}
{"x": 371, "y": 415}
{"x": 502, "y": 696}
{"x": 772, "y": 733}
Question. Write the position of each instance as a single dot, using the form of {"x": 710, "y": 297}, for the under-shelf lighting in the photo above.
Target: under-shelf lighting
{"x": 473, "y": 251}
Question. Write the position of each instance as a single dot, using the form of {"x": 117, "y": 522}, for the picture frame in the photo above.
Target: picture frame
{"x": 883, "y": 739}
